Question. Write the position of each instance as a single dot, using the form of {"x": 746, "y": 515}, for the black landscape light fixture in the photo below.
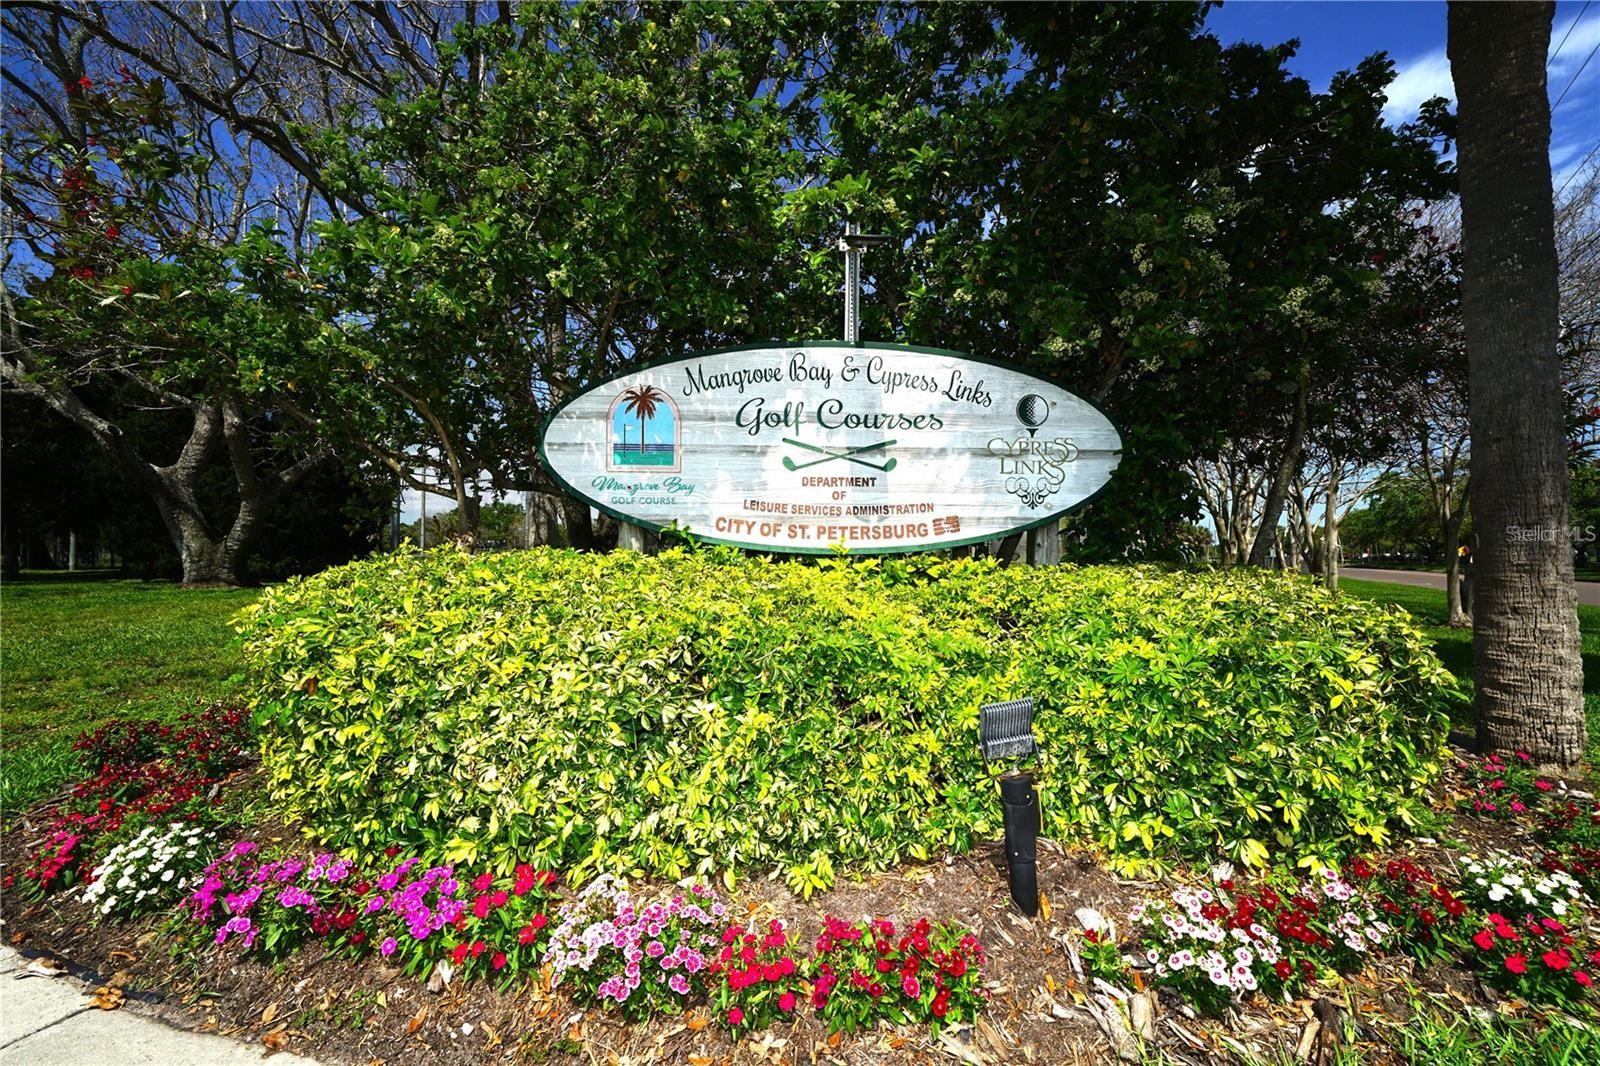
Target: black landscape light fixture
{"x": 1005, "y": 731}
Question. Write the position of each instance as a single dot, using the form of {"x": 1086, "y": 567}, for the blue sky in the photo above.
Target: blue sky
{"x": 1334, "y": 36}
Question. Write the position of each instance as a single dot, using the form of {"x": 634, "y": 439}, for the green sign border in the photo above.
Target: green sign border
{"x": 768, "y": 549}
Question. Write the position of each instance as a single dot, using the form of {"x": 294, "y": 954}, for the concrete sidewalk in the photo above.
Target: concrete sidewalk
{"x": 49, "y": 1021}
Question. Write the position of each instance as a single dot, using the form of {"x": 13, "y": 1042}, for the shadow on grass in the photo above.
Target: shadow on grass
{"x": 64, "y": 577}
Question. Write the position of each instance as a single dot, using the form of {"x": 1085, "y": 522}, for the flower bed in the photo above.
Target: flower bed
{"x": 605, "y": 946}
{"x": 679, "y": 713}
{"x": 141, "y": 773}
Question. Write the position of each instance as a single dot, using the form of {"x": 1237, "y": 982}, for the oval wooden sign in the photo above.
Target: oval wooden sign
{"x": 805, "y": 447}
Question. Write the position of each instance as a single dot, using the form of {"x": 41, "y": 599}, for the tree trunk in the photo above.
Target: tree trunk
{"x": 1458, "y": 615}
{"x": 1525, "y": 641}
{"x": 580, "y": 527}
{"x": 11, "y": 548}
{"x": 1288, "y": 462}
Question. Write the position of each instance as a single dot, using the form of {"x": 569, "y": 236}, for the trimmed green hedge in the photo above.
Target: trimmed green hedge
{"x": 707, "y": 711}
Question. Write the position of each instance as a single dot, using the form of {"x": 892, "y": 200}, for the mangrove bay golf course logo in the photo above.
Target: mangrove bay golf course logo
{"x": 653, "y": 419}
{"x": 803, "y": 448}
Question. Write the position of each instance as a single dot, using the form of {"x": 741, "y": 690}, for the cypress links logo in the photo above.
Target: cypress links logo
{"x": 1034, "y": 467}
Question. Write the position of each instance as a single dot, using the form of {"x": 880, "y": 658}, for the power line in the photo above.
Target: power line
{"x": 1564, "y": 36}
{"x": 1575, "y": 74}
{"x": 1577, "y": 170}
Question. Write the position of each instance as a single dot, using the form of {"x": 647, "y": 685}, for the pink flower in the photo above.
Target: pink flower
{"x": 388, "y": 946}
{"x": 786, "y": 1001}
{"x": 910, "y": 986}
{"x": 736, "y": 1016}
{"x": 1542, "y": 785}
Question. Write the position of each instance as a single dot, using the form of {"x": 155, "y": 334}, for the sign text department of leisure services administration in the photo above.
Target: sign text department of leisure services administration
{"x": 806, "y": 447}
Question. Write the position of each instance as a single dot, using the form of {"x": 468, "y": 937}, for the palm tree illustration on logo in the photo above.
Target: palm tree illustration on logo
{"x": 649, "y": 405}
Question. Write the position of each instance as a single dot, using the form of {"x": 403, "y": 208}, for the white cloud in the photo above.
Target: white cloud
{"x": 1585, "y": 35}
{"x": 1428, "y": 75}
{"x": 1419, "y": 79}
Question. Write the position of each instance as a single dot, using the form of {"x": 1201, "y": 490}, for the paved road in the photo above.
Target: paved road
{"x": 1588, "y": 591}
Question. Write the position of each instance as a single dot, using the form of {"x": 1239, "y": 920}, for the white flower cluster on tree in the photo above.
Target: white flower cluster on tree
{"x": 140, "y": 874}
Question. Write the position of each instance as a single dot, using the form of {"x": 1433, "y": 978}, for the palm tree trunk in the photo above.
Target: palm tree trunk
{"x": 1525, "y": 641}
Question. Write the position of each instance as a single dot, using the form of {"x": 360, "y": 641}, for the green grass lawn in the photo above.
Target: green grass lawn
{"x": 1455, "y": 645}
{"x": 77, "y": 651}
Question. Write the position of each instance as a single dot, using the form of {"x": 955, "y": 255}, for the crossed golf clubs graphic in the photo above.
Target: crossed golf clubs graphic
{"x": 848, "y": 456}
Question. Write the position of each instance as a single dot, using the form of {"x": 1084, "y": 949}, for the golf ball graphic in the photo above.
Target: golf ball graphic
{"x": 1032, "y": 411}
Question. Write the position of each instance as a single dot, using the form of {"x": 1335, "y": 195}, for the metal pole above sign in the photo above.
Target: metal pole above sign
{"x": 852, "y": 285}
{"x": 852, "y": 244}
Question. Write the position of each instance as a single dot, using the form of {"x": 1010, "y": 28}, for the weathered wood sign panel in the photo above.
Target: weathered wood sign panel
{"x": 800, "y": 448}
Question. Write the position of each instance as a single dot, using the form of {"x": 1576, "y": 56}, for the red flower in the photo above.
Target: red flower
{"x": 1542, "y": 785}
{"x": 1517, "y": 963}
{"x": 884, "y": 965}
{"x": 786, "y": 1001}
{"x": 526, "y": 935}
{"x": 1484, "y": 939}
{"x": 941, "y": 1004}
{"x": 391, "y": 851}
{"x": 499, "y": 898}
{"x": 1582, "y": 978}
{"x": 478, "y": 947}
{"x": 459, "y": 955}
{"x": 482, "y": 882}
{"x": 958, "y": 966}
{"x": 112, "y": 233}
{"x": 498, "y": 961}
{"x": 1283, "y": 969}
{"x": 736, "y": 1016}
{"x": 1559, "y": 959}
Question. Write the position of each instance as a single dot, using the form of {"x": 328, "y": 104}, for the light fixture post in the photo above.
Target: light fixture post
{"x": 852, "y": 244}
{"x": 852, "y": 284}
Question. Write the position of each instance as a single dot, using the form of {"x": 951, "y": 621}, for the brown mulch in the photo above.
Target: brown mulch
{"x": 1042, "y": 1011}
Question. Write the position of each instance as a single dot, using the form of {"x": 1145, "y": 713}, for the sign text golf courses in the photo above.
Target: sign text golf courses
{"x": 800, "y": 448}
